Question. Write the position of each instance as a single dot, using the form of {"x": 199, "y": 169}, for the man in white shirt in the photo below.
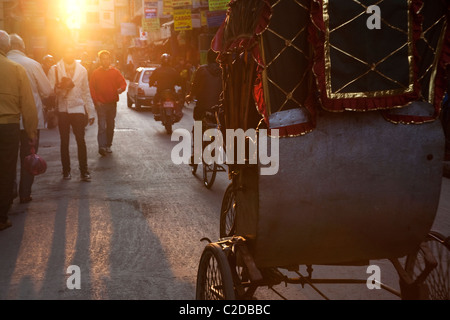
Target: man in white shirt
{"x": 40, "y": 85}
{"x": 75, "y": 106}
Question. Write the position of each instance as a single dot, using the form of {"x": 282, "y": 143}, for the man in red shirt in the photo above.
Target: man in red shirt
{"x": 106, "y": 84}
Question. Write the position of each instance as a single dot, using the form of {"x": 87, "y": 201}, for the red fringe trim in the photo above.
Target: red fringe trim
{"x": 294, "y": 130}
{"x": 258, "y": 94}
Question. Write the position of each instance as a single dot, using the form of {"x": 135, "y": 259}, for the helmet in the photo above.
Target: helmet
{"x": 165, "y": 58}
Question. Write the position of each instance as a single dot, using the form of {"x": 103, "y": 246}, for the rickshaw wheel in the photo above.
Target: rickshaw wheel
{"x": 214, "y": 279}
{"x": 436, "y": 286}
{"x": 228, "y": 213}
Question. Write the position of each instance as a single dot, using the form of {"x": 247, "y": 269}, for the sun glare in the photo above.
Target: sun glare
{"x": 72, "y": 11}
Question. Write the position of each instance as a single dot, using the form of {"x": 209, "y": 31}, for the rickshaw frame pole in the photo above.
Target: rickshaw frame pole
{"x": 307, "y": 280}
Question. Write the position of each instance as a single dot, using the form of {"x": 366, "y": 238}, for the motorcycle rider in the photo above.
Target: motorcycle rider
{"x": 165, "y": 78}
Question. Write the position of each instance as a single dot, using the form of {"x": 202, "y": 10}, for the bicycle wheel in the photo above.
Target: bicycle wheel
{"x": 214, "y": 279}
{"x": 209, "y": 174}
{"x": 228, "y": 213}
{"x": 436, "y": 286}
{"x": 209, "y": 170}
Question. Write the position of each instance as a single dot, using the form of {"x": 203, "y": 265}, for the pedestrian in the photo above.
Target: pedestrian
{"x": 16, "y": 101}
{"x": 75, "y": 109}
{"x": 206, "y": 86}
{"x": 130, "y": 69}
{"x": 41, "y": 88}
{"x": 87, "y": 63}
{"x": 106, "y": 84}
{"x": 47, "y": 62}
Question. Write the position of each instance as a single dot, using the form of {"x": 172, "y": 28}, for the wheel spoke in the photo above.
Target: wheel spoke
{"x": 214, "y": 281}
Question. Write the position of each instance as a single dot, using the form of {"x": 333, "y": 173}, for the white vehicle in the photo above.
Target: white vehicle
{"x": 139, "y": 93}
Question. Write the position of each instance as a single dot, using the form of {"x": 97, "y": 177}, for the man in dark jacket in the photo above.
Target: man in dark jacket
{"x": 206, "y": 86}
{"x": 164, "y": 78}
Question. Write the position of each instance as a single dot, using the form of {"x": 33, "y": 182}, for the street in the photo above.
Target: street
{"x": 134, "y": 230}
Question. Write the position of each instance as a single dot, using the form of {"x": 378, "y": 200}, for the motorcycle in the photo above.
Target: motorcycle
{"x": 169, "y": 110}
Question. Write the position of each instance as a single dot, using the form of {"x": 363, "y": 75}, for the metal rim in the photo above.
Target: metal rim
{"x": 214, "y": 279}
{"x": 228, "y": 213}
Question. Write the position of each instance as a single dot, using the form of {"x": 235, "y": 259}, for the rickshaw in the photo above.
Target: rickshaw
{"x": 351, "y": 93}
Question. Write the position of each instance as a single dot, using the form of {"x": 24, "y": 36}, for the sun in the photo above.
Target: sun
{"x": 72, "y": 12}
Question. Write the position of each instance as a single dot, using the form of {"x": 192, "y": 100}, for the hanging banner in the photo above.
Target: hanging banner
{"x": 168, "y": 7}
{"x": 150, "y": 10}
{"x": 181, "y": 3}
{"x": 182, "y": 19}
{"x": 218, "y": 5}
{"x": 152, "y": 24}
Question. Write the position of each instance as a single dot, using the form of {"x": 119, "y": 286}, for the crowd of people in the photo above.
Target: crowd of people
{"x": 75, "y": 92}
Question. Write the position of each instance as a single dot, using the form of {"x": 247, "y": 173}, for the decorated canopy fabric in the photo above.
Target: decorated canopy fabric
{"x": 355, "y": 55}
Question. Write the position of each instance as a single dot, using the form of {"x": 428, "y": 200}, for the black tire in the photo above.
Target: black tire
{"x": 436, "y": 286}
{"x": 209, "y": 170}
{"x": 228, "y": 213}
{"x": 209, "y": 174}
{"x": 193, "y": 165}
{"x": 137, "y": 105}
{"x": 214, "y": 278}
